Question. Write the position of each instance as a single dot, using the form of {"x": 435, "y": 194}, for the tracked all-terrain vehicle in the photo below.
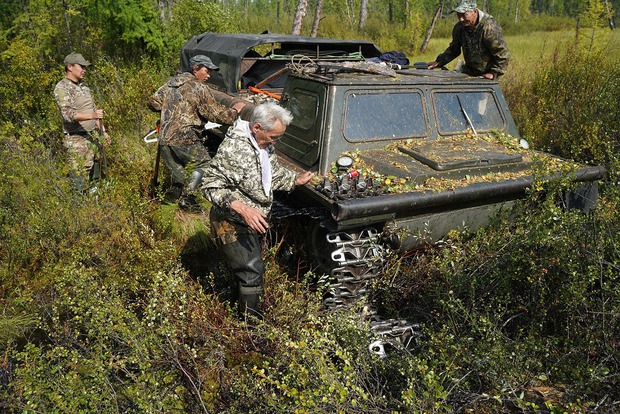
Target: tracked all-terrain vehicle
{"x": 403, "y": 155}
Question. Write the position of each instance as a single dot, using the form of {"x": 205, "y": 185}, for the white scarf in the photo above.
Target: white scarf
{"x": 265, "y": 165}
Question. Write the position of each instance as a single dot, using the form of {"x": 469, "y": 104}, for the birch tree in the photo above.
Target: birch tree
{"x": 300, "y": 14}
{"x": 363, "y": 14}
{"x": 317, "y": 19}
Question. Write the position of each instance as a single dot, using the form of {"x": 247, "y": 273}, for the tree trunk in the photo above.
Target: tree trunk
{"x": 69, "y": 35}
{"x": 429, "y": 32}
{"x": 363, "y": 14}
{"x": 165, "y": 11}
{"x": 317, "y": 18}
{"x": 611, "y": 16}
{"x": 278, "y": 12}
{"x": 300, "y": 13}
{"x": 391, "y": 12}
{"x": 517, "y": 12}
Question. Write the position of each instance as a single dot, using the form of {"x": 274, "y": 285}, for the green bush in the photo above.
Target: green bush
{"x": 519, "y": 305}
{"x": 568, "y": 105}
{"x": 108, "y": 303}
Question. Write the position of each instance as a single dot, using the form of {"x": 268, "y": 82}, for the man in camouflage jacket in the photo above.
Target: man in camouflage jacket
{"x": 239, "y": 182}
{"x": 186, "y": 103}
{"x": 484, "y": 48}
{"x": 81, "y": 122}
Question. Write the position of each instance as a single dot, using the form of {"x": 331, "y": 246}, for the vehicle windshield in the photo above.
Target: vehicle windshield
{"x": 384, "y": 115}
{"x": 463, "y": 111}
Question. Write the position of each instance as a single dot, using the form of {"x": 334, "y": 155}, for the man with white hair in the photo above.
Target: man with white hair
{"x": 239, "y": 182}
{"x": 484, "y": 48}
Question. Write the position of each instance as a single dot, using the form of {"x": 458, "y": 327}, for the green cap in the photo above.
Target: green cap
{"x": 202, "y": 60}
{"x": 464, "y": 6}
{"x": 74, "y": 58}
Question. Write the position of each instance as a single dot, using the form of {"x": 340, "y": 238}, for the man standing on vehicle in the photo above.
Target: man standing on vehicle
{"x": 239, "y": 182}
{"x": 81, "y": 122}
{"x": 484, "y": 48}
{"x": 186, "y": 104}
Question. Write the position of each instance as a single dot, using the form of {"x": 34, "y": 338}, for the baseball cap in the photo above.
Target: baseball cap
{"x": 202, "y": 60}
{"x": 464, "y": 6}
{"x": 74, "y": 58}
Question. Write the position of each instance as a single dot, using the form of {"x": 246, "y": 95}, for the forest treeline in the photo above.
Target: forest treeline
{"x": 138, "y": 28}
{"x": 115, "y": 302}
{"x": 35, "y": 35}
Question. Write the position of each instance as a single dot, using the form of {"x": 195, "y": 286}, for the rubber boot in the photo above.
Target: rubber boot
{"x": 94, "y": 177}
{"x": 174, "y": 193}
{"x": 77, "y": 181}
{"x": 244, "y": 257}
{"x": 188, "y": 201}
{"x": 195, "y": 179}
{"x": 249, "y": 304}
{"x": 95, "y": 172}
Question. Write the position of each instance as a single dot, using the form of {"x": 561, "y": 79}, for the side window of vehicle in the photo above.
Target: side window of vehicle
{"x": 384, "y": 115}
{"x": 301, "y": 139}
{"x": 304, "y": 107}
{"x": 458, "y": 112}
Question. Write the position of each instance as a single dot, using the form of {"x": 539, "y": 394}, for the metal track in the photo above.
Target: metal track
{"x": 359, "y": 258}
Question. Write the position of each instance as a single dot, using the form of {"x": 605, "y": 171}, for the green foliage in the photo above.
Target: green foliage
{"x": 98, "y": 309}
{"x": 32, "y": 106}
{"x": 517, "y": 307}
{"x": 568, "y": 107}
{"x": 191, "y": 18}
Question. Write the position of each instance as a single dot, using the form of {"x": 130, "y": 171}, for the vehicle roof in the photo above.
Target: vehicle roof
{"x": 227, "y": 50}
{"x": 401, "y": 77}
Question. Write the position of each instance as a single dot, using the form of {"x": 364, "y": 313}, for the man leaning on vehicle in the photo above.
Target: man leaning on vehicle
{"x": 186, "y": 103}
{"x": 240, "y": 182}
{"x": 482, "y": 41}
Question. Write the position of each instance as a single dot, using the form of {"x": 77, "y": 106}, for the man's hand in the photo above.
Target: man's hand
{"x": 255, "y": 219}
{"x": 489, "y": 76}
{"x": 304, "y": 178}
{"x": 433, "y": 65}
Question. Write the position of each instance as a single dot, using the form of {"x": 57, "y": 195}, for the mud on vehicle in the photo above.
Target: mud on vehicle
{"x": 403, "y": 156}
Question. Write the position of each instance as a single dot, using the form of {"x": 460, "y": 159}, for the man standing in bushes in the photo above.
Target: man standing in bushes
{"x": 82, "y": 123}
{"x": 186, "y": 103}
{"x": 484, "y": 48}
{"x": 240, "y": 181}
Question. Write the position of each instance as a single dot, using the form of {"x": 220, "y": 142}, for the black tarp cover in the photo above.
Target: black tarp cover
{"x": 227, "y": 51}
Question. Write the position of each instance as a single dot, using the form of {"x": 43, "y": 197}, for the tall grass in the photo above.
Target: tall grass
{"x": 101, "y": 315}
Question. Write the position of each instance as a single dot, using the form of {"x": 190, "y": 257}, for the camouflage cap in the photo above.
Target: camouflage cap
{"x": 464, "y": 6}
{"x": 202, "y": 60}
{"x": 76, "y": 58}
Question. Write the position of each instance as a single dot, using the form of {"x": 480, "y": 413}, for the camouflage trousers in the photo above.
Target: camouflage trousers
{"x": 183, "y": 160}
{"x": 83, "y": 154}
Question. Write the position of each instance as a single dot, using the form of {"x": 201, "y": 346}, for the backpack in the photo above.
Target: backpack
{"x": 393, "y": 56}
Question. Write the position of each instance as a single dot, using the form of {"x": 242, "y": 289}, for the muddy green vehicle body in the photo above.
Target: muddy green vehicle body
{"x": 406, "y": 125}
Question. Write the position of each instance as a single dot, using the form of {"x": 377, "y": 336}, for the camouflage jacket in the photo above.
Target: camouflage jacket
{"x": 186, "y": 104}
{"x": 73, "y": 98}
{"x": 484, "y": 47}
{"x": 235, "y": 174}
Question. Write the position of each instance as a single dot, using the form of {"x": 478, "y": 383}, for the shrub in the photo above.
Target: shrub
{"x": 568, "y": 105}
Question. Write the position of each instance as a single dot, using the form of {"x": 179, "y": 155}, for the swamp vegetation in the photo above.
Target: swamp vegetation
{"x": 117, "y": 303}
